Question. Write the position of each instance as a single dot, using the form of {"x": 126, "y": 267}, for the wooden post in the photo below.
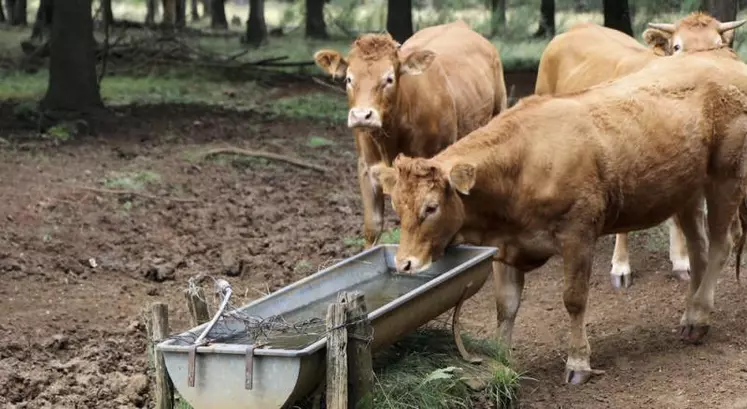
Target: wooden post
{"x": 360, "y": 366}
{"x": 337, "y": 360}
{"x": 159, "y": 328}
{"x": 198, "y": 309}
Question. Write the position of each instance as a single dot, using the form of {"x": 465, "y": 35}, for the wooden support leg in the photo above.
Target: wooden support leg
{"x": 457, "y": 330}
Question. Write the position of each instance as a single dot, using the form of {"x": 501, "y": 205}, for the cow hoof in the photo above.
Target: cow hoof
{"x": 694, "y": 334}
{"x": 682, "y": 275}
{"x": 623, "y": 281}
{"x": 577, "y": 376}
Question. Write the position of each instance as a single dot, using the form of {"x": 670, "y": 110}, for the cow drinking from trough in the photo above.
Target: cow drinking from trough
{"x": 417, "y": 98}
{"x": 553, "y": 174}
{"x": 589, "y": 54}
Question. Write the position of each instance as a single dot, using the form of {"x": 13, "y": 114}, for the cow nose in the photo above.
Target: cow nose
{"x": 364, "y": 117}
{"x": 404, "y": 266}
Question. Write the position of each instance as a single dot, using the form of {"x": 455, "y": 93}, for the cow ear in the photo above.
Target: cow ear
{"x": 331, "y": 62}
{"x": 658, "y": 40}
{"x": 384, "y": 176}
{"x": 417, "y": 62}
{"x": 462, "y": 177}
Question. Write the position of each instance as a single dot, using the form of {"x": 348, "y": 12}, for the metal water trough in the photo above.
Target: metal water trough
{"x": 238, "y": 375}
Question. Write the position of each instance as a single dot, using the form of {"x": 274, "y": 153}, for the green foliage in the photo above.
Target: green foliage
{"x": 424, "y": 370}
{"x": 319, "y": 141}
{"x": 60, "y": 132}
{"x": 316, "y": 106}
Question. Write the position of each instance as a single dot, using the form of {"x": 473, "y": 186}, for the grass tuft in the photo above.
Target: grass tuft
{"x": 131, "y": 180}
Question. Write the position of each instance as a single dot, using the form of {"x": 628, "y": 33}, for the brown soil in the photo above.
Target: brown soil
{"x": 72, "y": 335}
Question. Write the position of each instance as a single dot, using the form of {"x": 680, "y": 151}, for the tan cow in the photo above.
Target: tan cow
{"x": 589, "y": 54}
{"x": 552, "y": 174}
{"x": 417, "y": 98}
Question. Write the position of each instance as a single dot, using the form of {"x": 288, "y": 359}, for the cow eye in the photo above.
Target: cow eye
{"x": 390, "y": 79}
{"x": 676, "y": 47}
{"x": 348, "y": 80}
{"x": 430, "y": 209}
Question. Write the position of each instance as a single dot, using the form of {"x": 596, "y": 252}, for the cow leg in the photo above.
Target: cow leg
{"x": 678, "y": 250}
{"x": 722, "y": 201}
{"x": 577, "y": 259}
{"x": 620, "y": 274}
{"x": 509, "y": 284}
{"x": 373, "y": 206}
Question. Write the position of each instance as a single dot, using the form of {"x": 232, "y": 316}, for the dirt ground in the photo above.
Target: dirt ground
{"x": 71, "y": 335}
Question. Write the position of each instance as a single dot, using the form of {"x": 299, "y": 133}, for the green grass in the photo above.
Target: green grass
{"x": 319, "y": 142}
{"x": 315, "y": 106}
{"x": 131, "y": 180}
{"x": 425, "y": 371}
{"x": 389, "y": 236}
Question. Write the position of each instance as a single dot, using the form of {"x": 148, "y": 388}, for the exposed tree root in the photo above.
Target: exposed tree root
{"x": 134, "y": 193}
{"x": 266, "y": 155}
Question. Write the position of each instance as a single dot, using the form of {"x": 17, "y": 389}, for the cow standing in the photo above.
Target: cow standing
{"x": 417, "y": 98}
{"x": 553, "y": 174}
{"x": 589, "y": 54}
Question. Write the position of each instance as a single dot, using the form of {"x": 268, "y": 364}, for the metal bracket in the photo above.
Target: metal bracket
{"x": 191, "y": 366}
{"x": 457, "y": 329}
{"x": 249, "y": 369}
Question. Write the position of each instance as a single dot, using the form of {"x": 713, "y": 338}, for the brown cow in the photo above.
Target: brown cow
{"x": 442, "y": 83}
{"x": 589, "y": 54}
{"x": 553, "y": 174}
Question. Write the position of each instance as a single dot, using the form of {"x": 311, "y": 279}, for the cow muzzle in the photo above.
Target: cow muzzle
{"x": 411, "y": 265}
{"x": 364, "y": 118}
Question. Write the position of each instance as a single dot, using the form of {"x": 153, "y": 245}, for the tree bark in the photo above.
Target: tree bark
{"x": 181, "y": 13}
{"x": 547, "y": 19}
{"x": 617, "y": 16}
{"x": 723, "y": 10}
{"x": 399, "y": 19}
{"x": 497, "y": 17}
{"x": 218, "y": 15}
{"x": 151, "y": 11}
{"x": 194, "y": 11}
{"x": 72, "y": 86}
{"x": 2, "y": 13}
{"x": 16, "y": 12}
{"x": 256, "y": 28}
{"x": 206, "y": 8}
{"x": 315, "y": 25}
{"x": 106, "y": 5}
{"x": 169, "y": 13}
{"x": 43, "y": 21}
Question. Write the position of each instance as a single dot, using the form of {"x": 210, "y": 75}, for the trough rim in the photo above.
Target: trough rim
{"x": 484, "y": 252}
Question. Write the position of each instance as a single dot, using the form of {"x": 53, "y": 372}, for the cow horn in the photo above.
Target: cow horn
{"x": 666, "y": 27}
{"x": 731, "y": 25}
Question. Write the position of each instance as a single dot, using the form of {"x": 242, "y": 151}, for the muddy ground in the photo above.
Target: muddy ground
{"x": 71, "y": 335}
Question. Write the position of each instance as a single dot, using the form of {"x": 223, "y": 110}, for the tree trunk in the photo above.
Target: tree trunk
{"x": 497, "y": 17}
{"x": 72, "y": 86}
{"x": 195, "y": 13}
{"x": 399, "y": 19}
{"x": 617, "y": 16}
{"x": 218, "y": 15}
{"x": 315, "y": 26}
{"x": 256, "y": 28}
{"x": 43, "y": 21}
{"x": 152, "y": 10}
{"x": 547, "y": 19}
{"x": 206, "y": 8}
{"x": 16, "y": 12}
{"x": 723, "y": 10}
{"x": 2, "y": 13}
{"x": 106, "y": 5}
{"x": 169, "y": 13}
{"x": 181, "y": 13}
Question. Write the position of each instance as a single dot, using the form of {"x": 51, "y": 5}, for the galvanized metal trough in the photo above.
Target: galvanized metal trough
{"x": 238, "y": 372}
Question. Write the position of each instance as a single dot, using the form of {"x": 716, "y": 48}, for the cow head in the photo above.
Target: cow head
{"x": 427, "y": 199}
{"x": 696, "y": 32}
{"x": 372, "y": 71}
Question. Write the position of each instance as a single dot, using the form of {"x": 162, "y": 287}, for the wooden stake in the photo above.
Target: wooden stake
{"x": 337, "y": 360}
{"x": 159, "y": 328}
{"x": 360, "y": 366}
{"x": 198, "y": 309}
